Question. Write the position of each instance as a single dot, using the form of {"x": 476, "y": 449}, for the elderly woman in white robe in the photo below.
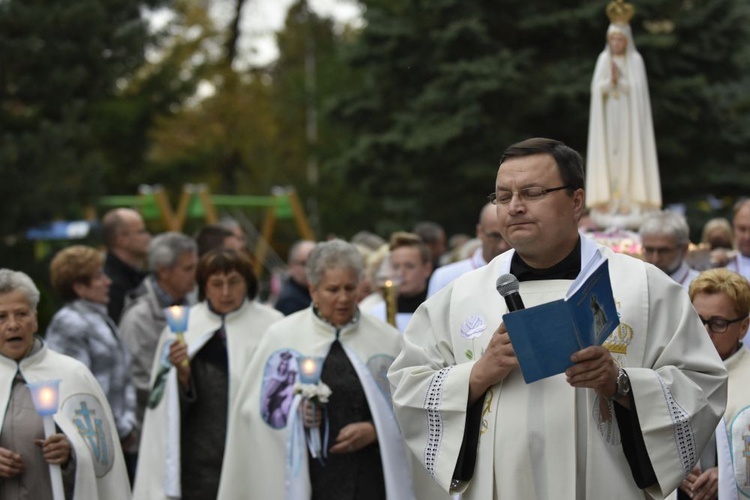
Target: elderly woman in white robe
{"x": 360, "y": 454}
{"x": 92, "y": 464}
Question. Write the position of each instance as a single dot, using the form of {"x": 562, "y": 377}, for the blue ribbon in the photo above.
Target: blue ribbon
{"x": 312, "y": 442}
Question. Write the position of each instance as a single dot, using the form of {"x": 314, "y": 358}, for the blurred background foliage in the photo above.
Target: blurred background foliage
{"x": 398, "y": 120}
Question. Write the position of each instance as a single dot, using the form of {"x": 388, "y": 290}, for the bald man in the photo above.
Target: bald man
{"x": 493, "y": 244}
{"x": 126, "y": 238}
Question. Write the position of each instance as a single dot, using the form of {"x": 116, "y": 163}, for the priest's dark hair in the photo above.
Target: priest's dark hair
{"x": 569, "y": 162}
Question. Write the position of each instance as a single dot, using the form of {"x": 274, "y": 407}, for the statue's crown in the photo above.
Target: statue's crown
{"x": 620, "y": 12}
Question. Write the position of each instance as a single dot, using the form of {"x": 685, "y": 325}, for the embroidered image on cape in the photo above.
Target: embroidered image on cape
{"x": 277, "y": 392}
{"x": 87, "y": 413}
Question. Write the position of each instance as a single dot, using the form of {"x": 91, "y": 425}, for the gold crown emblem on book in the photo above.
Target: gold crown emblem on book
{"x": 620, "y": 12}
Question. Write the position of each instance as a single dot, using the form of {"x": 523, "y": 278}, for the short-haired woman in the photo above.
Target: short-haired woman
{"x": 196, "y": 381}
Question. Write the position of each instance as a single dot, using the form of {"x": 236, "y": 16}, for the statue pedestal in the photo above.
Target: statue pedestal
{"x": 610, "y": 220}
{"x": 617, "y": 221}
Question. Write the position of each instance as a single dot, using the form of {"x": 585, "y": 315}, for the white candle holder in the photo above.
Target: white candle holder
{"x": 310, "y": 368}
{"x": 177, "y": 319}
{"x": 311, "y": 388}
{"x": 46, "y": 398}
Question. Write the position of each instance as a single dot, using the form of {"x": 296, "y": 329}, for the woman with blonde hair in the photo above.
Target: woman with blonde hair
{"x": 83, "y": 330}
{"x": 722, "y": 299}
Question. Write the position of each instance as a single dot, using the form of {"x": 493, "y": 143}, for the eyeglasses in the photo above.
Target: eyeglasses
{"x": 528, "y": 194}
{"x": 719, "y": 325}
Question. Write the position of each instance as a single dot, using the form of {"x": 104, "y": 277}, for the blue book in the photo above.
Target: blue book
{"x": 544, "y": 337}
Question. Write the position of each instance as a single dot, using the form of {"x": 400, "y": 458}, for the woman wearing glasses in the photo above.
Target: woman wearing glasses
{"x": 722, "y": 299}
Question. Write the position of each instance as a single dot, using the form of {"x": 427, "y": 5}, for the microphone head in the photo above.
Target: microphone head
{"x": 507, "y": 284}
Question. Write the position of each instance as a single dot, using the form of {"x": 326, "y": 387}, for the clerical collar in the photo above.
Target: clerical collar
{"x": 566, "y": 269}
{"x": 410, "y": 304}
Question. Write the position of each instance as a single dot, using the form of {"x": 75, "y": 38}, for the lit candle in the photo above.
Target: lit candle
{"x": 309, "y": 369}
{"x": 177, "y": 319}
{"x": 390, "y": 295}
{"x": 45, "y": 396}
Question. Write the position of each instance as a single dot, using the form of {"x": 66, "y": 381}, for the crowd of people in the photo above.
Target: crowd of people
{"x": 322, "y": 391}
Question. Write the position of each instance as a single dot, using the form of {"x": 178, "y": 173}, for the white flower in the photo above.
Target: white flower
{"x": 324, "y": 392}
{"x": 319, "y": 392}
{"x": 473, "y": 327}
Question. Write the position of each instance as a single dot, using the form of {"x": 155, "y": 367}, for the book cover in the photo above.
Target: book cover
{"x": 544, "y": 337}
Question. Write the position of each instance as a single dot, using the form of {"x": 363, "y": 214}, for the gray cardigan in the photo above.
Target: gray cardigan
{"x": 83, "y": 330}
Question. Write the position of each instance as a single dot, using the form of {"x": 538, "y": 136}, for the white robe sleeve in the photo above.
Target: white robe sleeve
{"x": 428, "y": 386}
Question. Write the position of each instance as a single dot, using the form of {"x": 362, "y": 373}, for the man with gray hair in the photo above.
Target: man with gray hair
{"x": 665, "y": 237}
{"x": 172, "y": 261}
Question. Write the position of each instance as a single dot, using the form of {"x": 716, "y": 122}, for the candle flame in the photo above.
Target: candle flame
{"x": 47, "y": 397}
{"x": 177, "y": 312}
{"x": 309, "y": 366}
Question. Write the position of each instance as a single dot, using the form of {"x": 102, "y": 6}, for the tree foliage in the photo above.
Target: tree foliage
{"x": 449, "y": 84}
{"x": 410, "y": 113}
{"x": 60, "y": 65}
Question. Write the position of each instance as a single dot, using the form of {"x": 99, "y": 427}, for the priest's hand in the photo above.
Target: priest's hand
{"x": 178, "y": 356}
{"x": 497, "y": 361}
{"x": 312, "y": 414}
{"x": 56, "y": 449}
{"x": 701, "y": 485}
{"x": 11, "y": 463}
{"x": 595, "y": 369}
{"x": 354, "y": 437}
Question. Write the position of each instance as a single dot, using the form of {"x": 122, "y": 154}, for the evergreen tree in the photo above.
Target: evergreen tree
{"x": 449, "y": 84}
{"x": 60, "y": 66}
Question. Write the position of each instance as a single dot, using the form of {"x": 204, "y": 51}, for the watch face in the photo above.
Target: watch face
{"x": 623, "y": 386}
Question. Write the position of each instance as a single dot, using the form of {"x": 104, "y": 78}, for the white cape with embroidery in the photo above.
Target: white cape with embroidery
{"x": 547, "y": 440}
{"x": 158, "y": 474}
{"x": 100, "y": 467}
{"x": 733, "y": 432}
{"x": 269, "y": 461}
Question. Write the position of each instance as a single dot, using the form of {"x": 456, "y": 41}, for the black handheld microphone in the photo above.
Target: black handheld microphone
{"x": 507, "y": 286}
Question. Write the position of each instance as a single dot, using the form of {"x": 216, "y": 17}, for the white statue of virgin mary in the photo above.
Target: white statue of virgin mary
{"x": 622, "y": 171}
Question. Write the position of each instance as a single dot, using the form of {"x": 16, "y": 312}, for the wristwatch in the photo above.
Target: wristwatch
{"x": 623, "y": 385}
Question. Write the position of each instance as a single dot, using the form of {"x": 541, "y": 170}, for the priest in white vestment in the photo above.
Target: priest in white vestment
{"x": 621, "y": 163}
{"x": 627, "y": 420}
